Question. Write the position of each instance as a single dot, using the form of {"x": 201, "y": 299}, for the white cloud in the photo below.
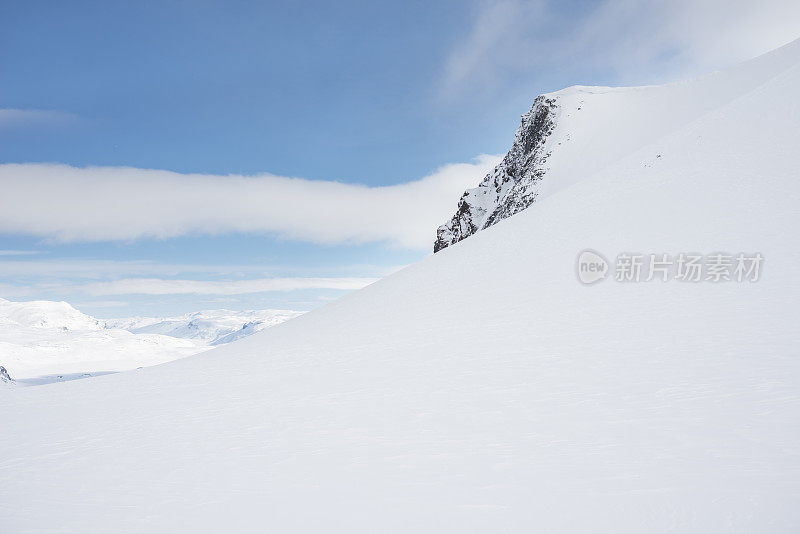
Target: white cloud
{"x": 101, "y": 304}
{"x": 91, "y": 269}
{"x": 640, "y": 41}
{"x": 98, "y": 269}
{"x": 18, "y": 252}
{"x": 161, "y": 286}
{"x": 11, "y": 118}
{"x": 502, "y": 39}
{"x": 119, "y": 203}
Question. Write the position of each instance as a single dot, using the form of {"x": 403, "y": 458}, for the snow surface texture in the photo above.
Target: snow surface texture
{"x": 50, "y": 341}
{"x": 484, "y": 389}
{"x": 569, "y": 135}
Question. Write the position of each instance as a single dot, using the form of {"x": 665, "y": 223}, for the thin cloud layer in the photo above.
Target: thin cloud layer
{"x": 91, "y": 269}
{"x": 71, "y": 204}
{"x": 162, "y": 286}
{"x": 632, "y": 39}
{"x": 16, "y": 118}
{"x": 157, "y": 286}
{"x": 18, "y": 252}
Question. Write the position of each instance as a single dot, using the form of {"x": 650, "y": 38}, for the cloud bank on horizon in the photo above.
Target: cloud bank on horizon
{"x": 162, "y": 286}
{"x": 121, "y": 203}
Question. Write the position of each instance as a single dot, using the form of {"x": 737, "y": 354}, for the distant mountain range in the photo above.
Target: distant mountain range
{"x": 53, "y": 339}
{"x": 211, "y": 327}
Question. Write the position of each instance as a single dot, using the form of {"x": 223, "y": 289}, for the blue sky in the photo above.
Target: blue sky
{"x": 322, "y": 90}
{"x": 368, "y": 95}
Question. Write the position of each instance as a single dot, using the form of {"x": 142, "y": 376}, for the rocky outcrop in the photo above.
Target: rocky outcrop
{"x": 513, "y": 185}
{"x": 4, "y": 376}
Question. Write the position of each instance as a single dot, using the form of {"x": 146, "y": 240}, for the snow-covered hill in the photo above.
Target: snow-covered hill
{"x": 45, "y": 340}
{"x": 485, "y": 389}
{"x": 46, "y": 314}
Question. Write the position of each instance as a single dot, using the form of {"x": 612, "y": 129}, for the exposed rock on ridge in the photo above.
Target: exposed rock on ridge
{"x": 4, "y": 376}
{"x": 513, "y": 185}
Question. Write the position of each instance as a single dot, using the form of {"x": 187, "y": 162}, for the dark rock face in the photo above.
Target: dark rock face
{"x": 513, "y": 185}
{"x": 4, "y": 376}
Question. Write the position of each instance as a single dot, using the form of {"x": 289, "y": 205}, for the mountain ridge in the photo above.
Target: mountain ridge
{"x": 590, "y": 128}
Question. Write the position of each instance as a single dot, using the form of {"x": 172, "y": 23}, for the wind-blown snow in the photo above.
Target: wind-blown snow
{"x": 483, "y": 389}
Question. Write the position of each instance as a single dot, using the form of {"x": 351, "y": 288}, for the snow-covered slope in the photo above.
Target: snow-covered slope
{"x": 483, "y": 389}
{"x": 53, "y": 339}
{"x": 213, "y": 327}
{"x": 570, "y": 134}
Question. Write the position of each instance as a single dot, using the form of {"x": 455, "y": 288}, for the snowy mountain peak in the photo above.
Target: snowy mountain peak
{"x": 46, "y": 314}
